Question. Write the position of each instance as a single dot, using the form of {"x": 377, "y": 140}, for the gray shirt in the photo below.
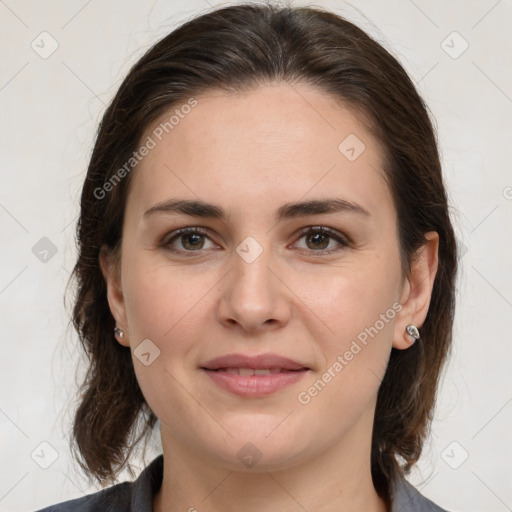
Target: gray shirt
{"x": 137, "y": 496}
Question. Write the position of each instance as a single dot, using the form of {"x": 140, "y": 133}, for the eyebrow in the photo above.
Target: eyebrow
{"x": 198, "y": 208}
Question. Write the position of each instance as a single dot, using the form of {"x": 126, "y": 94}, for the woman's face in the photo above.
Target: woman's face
{"x": 261, "y": 333}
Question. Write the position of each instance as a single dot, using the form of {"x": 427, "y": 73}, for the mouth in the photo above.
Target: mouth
{"x": 254, "y": 376}
{"x": 249, "y": 372}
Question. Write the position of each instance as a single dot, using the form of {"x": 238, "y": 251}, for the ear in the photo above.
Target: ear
{"x": 417, "y": 290}
{"x": 110, "y": 268}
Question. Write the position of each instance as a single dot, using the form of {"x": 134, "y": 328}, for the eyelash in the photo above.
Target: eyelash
{"x": 342, "y": 240}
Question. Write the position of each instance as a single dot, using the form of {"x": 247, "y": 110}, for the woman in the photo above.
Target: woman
{"x": 266, "y": 268}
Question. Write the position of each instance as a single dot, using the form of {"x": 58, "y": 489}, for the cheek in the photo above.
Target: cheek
{"x": 353, "y": 336}
{"x": 355, "y": 309}
{"x": 164, "y": 303}
{"x": 348, "y": 300}
{"x": 167, "y": 306}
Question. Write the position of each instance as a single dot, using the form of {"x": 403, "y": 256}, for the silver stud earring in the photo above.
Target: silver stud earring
{"x": 413, "y": 332}
{"x": 119, "y": 332}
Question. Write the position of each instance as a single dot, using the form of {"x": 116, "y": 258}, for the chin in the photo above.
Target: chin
{"x": 257, "y": 446}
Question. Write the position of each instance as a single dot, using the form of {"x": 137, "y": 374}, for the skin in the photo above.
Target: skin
{"x": 250, "y": 153}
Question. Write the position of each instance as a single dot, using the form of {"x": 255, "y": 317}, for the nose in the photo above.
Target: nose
{"x": 254, "y": 297}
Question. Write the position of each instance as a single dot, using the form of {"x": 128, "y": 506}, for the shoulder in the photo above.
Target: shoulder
{"x": 113, "y": 499}
{"x": 125, "y": 497}
{"x": 406, "y": 498}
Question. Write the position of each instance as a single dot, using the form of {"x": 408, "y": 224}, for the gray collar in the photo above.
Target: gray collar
{"x": 405, "y": 496}
{"x": 408, "y": 499}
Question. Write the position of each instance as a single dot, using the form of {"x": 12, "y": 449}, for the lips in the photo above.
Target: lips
{"x": 254, "y": 376}
{"x": 247, "y": 372}
{"x": 261, "y": 362}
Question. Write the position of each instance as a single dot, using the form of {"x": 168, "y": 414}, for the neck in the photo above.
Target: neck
{"x": 338, "y": 479}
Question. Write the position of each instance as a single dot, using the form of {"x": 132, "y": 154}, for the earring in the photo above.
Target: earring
{"x": 412, "y": 331}
{"x": 119, "y": 332}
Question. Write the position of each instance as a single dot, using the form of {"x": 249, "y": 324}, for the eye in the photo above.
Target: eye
{"x": 188, "y": 240}
{"x": 321, "y": 240}
{"x": 317, "y": 239}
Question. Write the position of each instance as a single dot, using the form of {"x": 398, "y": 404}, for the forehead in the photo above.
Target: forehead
{"x": 278, "y": 142}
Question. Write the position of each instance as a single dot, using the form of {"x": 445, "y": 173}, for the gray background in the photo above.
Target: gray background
{"x": 51, "y": 104}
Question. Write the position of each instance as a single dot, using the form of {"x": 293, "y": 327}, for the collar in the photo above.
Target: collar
{"x": 405, "y": 497}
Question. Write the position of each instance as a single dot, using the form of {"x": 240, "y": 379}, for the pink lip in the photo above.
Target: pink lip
{"x": 289, "y": 372}
{"x": 254, "y": 362}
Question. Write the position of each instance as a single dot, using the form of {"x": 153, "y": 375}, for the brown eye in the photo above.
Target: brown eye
{"x": 188, "y": 240}
{"x": 321, "y": 240}
{"x": 317, "y": 241}
{"x": 192, "y": 241}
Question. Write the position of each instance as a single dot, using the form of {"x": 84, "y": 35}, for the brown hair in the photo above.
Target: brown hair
{"x": 237, "y": 48}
